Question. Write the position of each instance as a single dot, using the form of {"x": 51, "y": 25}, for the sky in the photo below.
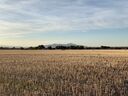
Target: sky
{"x": 86, "y": 22}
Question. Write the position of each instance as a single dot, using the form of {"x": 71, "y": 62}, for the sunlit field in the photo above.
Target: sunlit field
{"x": 64, "y": 73}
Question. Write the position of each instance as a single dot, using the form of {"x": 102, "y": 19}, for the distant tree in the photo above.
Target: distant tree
{"x": 70, "y": 47}
{"x": 105, "y": 47}
{"x": 41, "y": 47}
{"x": 81, "y": 47}
{"x": 21, "y": 48}
{"x": 50, "y": 47}
{"x": 1, "y": 47}
{"x": 61, "y": 47}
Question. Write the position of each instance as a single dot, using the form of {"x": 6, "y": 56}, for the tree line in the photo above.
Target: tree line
{"x": 43, "y": 47}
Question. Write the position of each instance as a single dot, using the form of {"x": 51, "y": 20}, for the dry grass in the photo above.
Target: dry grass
{"x": 64, "y": 73}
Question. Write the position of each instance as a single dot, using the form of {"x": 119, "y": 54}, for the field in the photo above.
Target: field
{"x": 64, "y": 73}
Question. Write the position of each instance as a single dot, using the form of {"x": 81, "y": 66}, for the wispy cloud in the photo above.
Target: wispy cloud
{"x": 20, "y": 17}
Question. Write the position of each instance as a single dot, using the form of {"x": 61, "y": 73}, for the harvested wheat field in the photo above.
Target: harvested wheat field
{"x": 64, "y": 73}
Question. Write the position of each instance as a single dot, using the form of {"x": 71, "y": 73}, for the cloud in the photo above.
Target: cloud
{"x": 21, "y": 17}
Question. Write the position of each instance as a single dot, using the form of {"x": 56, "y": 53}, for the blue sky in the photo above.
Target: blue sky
{"x": 87, "y": 22}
